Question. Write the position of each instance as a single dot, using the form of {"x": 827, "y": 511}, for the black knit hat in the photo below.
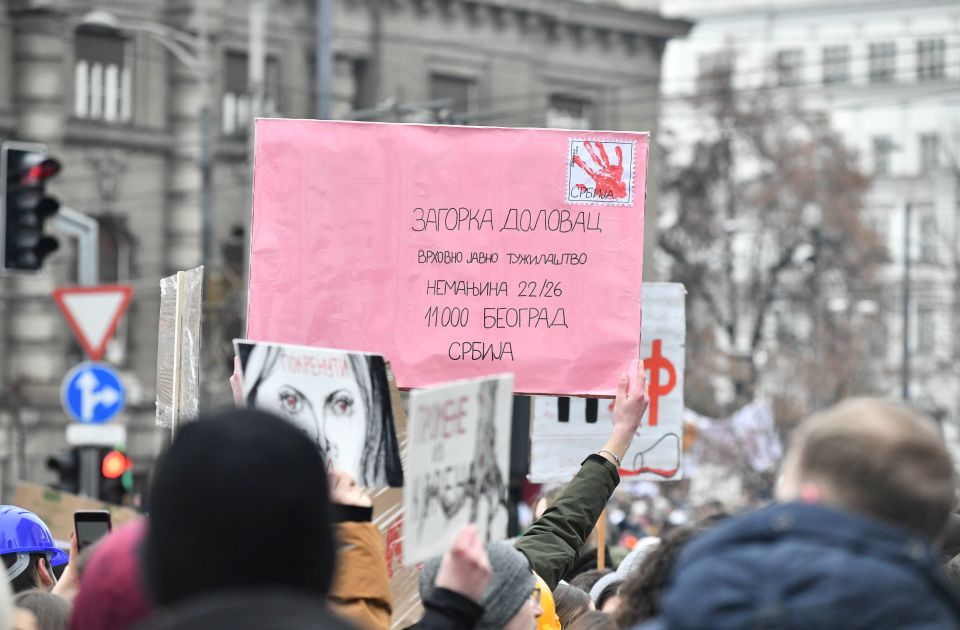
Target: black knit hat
{"x": 240, "y": 500}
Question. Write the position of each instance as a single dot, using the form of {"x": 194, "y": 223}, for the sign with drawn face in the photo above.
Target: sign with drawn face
{"x": 339, "y": 399}
{"x": 565, "y": 430}
{"x": 458, "y": 458}
{"x": 455, "y": 252}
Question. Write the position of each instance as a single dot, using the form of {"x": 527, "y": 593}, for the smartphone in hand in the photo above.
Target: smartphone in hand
{"x": 91, "y": 526}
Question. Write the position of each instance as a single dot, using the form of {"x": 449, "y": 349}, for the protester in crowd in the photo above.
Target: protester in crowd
{"x": 547, "y": 619}
{"x": 593, "y": 620}
{"x": 633, "y": 560}
{"x": 606, "y": 593}
{"x": 571, "y": 602}
{"x": 554, "y": 542}
{"x": 361, "y": 590}
{"x": 642, "y": 589}
{"x": 588, "y": 554}
{"x": 866, "y": 488}
{"x": 587, "y": 579}
{"x": 551, "y": 546}
{"x": 254, "y": 487}
{"x": 29, "y": 550}
{"x": 452, "y": 599}
{"x": 51, "y": 611}
{"x": 509, "y": 600}
{"x": 112, "y": 595}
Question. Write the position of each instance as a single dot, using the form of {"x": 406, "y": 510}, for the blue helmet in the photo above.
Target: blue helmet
{"x": 22, "y": 531}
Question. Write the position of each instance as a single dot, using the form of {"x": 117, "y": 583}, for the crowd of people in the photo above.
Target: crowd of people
{"x": 247, "y": 529}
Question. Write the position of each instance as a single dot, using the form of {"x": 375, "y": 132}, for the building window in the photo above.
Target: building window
{"x": 928, "y": 235}
{"x": 836, "y": 64}
{"x": 882, "y": 150}
{"x": 882, "y": 61}
{"x": 929, "y": 152}
{"x": 102, "y": 82}
{"x": 930, "y": 59}
{"x": 926, "y": 329}
{"x": 236, "y": 113}
{"x": 568, "y": 112}
{"x": 460, "y": 91}
{"x": 789, "y": 65}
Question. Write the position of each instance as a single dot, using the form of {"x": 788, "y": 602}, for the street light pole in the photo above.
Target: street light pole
{"x": 206, "y": 141}
{"x": 905, "y": 366}
{"x": 324, "y": 59}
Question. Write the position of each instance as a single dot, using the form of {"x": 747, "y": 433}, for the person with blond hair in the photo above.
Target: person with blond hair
{"x": 866, "y": 489}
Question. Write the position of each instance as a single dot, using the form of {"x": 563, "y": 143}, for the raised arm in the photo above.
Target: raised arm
{"x": 554, "y": 542}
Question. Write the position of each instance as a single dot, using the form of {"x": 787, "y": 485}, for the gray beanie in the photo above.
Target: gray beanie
{"x": 511, "y": 584}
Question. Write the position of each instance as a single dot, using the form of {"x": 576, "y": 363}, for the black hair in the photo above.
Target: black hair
{"x": 587, "y": 579}
{"x": 30, "y": 577}
{"x": 380, "y": 449}
{"x": 609, "y": 591}
{"x": 570, "y": 603}
{"x": 642, "y": 591}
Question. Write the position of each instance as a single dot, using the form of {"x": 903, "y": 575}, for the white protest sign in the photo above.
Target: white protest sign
{"x": 566, "y": 430}
{"x": 458, "y": 459}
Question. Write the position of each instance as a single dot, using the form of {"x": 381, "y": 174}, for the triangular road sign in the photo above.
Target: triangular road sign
{"x": 93, "y": 313}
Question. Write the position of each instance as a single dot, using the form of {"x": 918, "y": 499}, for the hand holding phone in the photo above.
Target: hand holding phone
{"x": 91, "y": 526}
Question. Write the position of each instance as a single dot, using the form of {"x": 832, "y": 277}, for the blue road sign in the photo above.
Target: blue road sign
{"x": 92, "y": 393}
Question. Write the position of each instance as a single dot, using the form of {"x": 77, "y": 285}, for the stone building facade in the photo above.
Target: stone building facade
{"x": 122, "y": 113}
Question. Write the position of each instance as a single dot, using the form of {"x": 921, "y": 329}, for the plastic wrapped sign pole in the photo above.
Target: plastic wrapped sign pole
{"x": 177, "y": 355}
{"x": 178, "y": 349}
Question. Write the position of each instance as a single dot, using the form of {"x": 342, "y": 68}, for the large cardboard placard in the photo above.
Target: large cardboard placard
{"x": 453, "y": 251}
{"x": 340, "y": 399}
{"x": 565, "y": 430}
{"x": 458, "y": 458}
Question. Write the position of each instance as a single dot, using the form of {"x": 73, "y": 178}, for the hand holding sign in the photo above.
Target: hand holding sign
{"x": 465, "y": 569}
{"x": 628, "y": 410}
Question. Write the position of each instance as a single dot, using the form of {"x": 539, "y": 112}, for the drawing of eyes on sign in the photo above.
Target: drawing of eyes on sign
{"x": 339, "y": 399}
{"x": 453, "y": 251}
{"x": 565, "y": 429}
{"x": 458, "y": 458}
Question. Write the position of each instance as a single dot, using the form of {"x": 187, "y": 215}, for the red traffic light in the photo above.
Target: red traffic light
{"x": 40, "y": 172}
{"x": 114, "y": 465}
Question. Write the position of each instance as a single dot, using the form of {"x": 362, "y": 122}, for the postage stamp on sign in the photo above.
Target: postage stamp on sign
{"x": 600, "y": 172}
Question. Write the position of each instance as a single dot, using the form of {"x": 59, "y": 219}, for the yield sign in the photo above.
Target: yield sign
{"x": 93, "y": 313}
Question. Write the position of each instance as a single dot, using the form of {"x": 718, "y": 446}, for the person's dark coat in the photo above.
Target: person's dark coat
{"x": 555, "y": 541}
{"x": 808, "y": 566}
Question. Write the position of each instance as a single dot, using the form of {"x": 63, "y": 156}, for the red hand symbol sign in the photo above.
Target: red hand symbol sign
{"x": 608, "y": 179}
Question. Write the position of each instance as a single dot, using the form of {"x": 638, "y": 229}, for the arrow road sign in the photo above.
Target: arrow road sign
{"x": 93, "y": 313}
{"x": 92, "y": 393}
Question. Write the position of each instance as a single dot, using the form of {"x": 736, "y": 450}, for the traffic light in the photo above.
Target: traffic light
{"x": 25, "y": 170}
{"x": 67, "y": 467}
{"x": 115, "y": 475}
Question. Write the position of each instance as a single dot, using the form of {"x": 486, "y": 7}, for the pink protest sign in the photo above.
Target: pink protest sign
{"x": 455, "y": 252}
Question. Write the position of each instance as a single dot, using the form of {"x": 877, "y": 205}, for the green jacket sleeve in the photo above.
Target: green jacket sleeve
{"x": 553, "y": 543}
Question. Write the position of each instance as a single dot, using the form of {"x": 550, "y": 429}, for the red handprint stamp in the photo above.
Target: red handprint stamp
{"x": 600, "y": 172}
